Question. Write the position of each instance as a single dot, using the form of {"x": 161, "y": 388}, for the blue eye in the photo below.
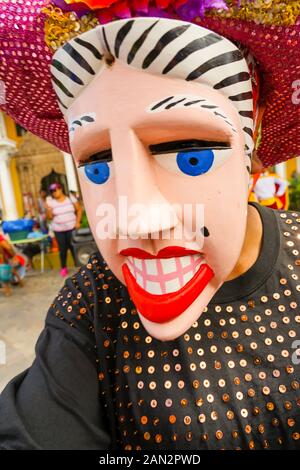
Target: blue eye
{"x": 98, "y": 172}
{"x": 195, "y": 162}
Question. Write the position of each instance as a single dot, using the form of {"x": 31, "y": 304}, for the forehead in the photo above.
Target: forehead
{"x": 122, "y": 88}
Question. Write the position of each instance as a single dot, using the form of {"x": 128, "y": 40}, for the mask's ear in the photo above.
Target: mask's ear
{"x": 257, "y": 166}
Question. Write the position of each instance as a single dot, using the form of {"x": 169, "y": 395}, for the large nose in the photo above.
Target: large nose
{"x": 143, "y": 210}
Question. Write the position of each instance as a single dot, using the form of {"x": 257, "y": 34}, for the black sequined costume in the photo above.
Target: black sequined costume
{"x": 100, "y": 381}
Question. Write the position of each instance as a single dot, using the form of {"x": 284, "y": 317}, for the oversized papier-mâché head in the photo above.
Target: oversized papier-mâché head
{"x": 160, "y": 123}
{"x": 158, "y": 115}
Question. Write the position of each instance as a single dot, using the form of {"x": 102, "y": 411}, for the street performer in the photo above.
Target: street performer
{"x": 181, "y": 333}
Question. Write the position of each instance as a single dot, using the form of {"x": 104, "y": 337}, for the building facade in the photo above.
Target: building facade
{"x": 26, "y": 164}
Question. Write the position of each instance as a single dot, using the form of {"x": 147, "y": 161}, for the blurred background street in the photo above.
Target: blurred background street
{"x": 22, "y": 318}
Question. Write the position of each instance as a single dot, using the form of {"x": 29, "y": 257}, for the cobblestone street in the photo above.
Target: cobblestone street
{"x": 21, "y": 320}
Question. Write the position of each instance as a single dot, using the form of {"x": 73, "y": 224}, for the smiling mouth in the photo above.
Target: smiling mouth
{"x": 164, "y": 286}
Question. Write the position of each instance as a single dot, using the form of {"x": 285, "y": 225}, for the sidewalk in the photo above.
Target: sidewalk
{"x": 22, "y": 318}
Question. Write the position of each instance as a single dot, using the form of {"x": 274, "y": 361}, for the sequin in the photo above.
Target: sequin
{"x": 144, "y": 419}
{"x": 168, "y": 384}
{"x": 172, "y": 419}
{"x": 196, "y": 384}
{"x": 187, "y": 420}
{"x": 199, "y": 401}
{"x": 270, "y": 406}
{"x": 248, "y": 429}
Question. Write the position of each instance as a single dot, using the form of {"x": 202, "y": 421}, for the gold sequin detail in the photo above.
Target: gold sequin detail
{"x": 61, "y": 26}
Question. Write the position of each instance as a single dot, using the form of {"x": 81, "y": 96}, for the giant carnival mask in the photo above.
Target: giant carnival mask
{"x": 158, "y": 114}
{"x": 165, "y": 123}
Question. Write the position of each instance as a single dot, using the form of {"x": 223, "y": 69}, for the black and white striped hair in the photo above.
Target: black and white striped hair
{"x": 162, "y": 47}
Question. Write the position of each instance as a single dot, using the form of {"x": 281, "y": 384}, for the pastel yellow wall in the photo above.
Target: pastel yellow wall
{"x": 11, "y": 129}
{"x": 17, "y": 187}
{"x": 291, "y": 166}
{"x": 12, "y": 134}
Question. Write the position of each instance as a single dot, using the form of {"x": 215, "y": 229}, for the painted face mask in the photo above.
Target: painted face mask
{"x": 160, "y": 117}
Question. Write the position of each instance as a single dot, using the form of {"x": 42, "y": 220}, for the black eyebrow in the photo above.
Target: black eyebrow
{"x": 86, "y": 118}
{"x": 186, "y": 145}
{"x": 103, "y": 156}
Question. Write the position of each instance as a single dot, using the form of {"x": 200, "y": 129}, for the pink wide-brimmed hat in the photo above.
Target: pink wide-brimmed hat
{"x": 31, "y": 32}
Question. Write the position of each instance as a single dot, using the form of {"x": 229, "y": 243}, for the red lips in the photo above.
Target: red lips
{"x": 166, "y": 307}
{"x": 167, "y": 252}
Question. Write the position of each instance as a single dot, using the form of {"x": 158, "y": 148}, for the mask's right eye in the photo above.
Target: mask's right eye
{"x": 96, "y": 168}
{"x": 97, "y": 173}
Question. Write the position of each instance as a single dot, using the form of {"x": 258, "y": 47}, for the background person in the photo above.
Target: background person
{"x": 272, "y": 191}
{"x": 17, "y": 262}
{"x": 65, "y": 215}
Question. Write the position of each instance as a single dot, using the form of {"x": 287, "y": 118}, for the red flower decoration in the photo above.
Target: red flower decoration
{"x": 138, "y": 5}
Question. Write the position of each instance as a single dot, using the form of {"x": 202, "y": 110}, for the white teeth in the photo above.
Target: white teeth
{"x": 151, "y": 265}
{"x": 153, "y": 288}
{"x": 168, "y": 265}
{"x": 139, "y": 279}
{"x": 176, "y": 272}
{"x": 173, "y": 286}
{"x": 137, "y": 263}
{"x": 187, "y": 277}
{"x": 186, "y": 260}
{"x": 130, "y": 266}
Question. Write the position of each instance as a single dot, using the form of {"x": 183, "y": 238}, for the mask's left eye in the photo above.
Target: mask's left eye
{"x": 194, "y": 162}
{"x": 97, "y": 172}
{"x": 191, "y": 157}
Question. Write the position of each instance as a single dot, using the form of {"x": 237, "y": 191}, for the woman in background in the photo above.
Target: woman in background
{"x": 65, "y": 215}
